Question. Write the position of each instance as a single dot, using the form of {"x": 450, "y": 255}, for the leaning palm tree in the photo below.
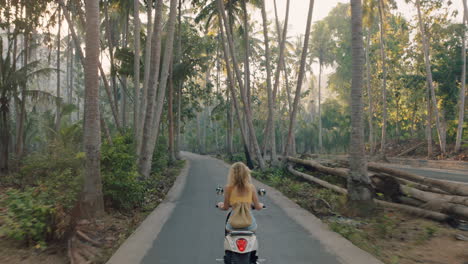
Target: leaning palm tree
{"x": 360, "y": 192}
{"x": 430, "y": 84}
{"x": 301, "y": 74}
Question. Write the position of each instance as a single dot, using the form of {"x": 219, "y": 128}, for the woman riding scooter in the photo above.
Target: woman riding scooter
{"x": 240, "y": 194}
{"x": 240, "y": 190}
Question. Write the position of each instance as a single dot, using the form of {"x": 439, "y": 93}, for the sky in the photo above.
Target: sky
{"x": 299, "y": 9}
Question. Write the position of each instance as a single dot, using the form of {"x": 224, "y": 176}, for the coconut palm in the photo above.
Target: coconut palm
{"x": 11, "y": 78}
{"x": 360, "y": 192}
{"x": 321, "y": 48}
{"x": 92, "y": 199}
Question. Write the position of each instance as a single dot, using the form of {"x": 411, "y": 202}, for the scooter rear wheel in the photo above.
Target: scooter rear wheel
{"x": 236, "y": 258}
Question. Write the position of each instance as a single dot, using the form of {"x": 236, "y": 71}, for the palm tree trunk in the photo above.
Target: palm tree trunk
{"x": 360, "y": 191}
{"x": 292, "y": 121}
{"x": 429, "y": 123}
{"x": 384, "y": 79}
{"x": 234, "y": 103}
{"x": 320, "y": 108}
{"x": 147, "y": 149}
{"x": 58, "y": 104}
{"x": 463, "y": 85}
{"x": 170, "y": 113}
{"x": 112, "y": 103}
{"x": 369, "y": 97}
{"x": 110, "y": 42}
{"x": 4, "y": 135}
{"x": 148, "y": 55}
{"x": 22, "y": 113}
{"x": 152, "y": 86}
{"x": 123, "y": 90}
{"x": 270, "y": 126}
{"x": 136, "y": 67}
{"x": 179, "y": 83}
{"x": 427, "y": 61}
{"x": 271, "y": 132}
{"x": 247, "y": 110}
{"x": 92, "y": 204}
{"x": 247, "y": 50}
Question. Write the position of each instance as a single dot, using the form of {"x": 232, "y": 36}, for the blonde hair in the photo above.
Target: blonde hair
{"x": 239, "y": 177}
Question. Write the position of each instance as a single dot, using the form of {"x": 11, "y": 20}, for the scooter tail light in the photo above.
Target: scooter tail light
{"x": 241, "y": 244}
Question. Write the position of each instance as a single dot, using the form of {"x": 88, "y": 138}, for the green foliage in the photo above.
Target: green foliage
{"x": 238, "y": 157}
{"x": 357, "y": 236}
{"x": 336, "y": 201}
{"x": 41, "y": 213}
{"x": 385, "y": 225}
{"x": 121, "y": 185}
{"x": 27, "y": 218}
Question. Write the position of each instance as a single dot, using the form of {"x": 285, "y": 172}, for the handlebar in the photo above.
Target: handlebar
{"x": 253, "y": 207}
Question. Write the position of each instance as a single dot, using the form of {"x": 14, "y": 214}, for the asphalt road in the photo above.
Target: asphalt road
{"x": 194, "y": 232}
{"x": 459, "y": 176}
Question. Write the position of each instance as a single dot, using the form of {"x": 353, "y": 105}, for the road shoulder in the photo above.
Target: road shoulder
{"x": 134, "y": 249}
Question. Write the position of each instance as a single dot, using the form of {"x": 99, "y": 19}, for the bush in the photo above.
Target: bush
{"x": 121, "y": 185}
{"x": 40, "y": 166}
{"x": 41, "y": 213}
{"x": 27, "y": 218}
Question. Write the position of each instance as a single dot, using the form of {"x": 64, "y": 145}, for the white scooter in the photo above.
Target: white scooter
{"x": 240, "y": 246}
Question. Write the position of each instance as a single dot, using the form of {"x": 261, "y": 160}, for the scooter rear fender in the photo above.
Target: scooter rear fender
{"x": 230, "y": 243}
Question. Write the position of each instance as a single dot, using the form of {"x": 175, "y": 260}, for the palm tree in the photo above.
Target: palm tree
{"x": 59, "y": 44}
{"x": 360, "y": 192}
{"x": 147, "y": 63}
{"x": 11, "y": 78}
{"x": 271, "y": 133}
{"x": 384, "y": 77}
{"x": 92, "y": 200}
{"x": 247, "y": 111}
{"x": 152, "y": 83}
{"x": 148, "y": 149}
{"x": 463, "y": 81}
{"x": 136, "y": 67}
{"x": 321, "y": 49}
{"x": 430, "y": 85}
{"x": 300, "y": 79}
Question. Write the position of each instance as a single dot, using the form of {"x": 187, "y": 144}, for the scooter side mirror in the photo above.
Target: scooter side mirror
{"x": 262, "y": 192}
{"x": 219, "y": 190}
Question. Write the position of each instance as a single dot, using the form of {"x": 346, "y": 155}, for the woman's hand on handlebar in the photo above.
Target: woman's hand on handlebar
{"x": 220, "y": 205}
{"x": 259, "y": 207}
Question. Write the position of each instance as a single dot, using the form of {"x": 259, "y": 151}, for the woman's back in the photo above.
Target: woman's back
{"x": 238, "y": 196}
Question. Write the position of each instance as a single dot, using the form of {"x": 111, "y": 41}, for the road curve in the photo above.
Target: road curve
{"x": 194, "y": 231}
{"x": 450, "y": 175}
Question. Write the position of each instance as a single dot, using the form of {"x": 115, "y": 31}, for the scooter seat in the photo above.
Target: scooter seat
{"x": 241, "y": 233}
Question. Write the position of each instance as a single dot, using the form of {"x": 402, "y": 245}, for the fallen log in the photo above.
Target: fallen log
{"x": 343, "y": 172}
{"x": 450, "y": 187}
{"x": 410, "y": 201}
{"x": 411, "y": 149}
{"x": 419, "y": 186}
{"x": 446, "y": 186}
{"x": 406, "y": 208}
{"x": 430, "y": 196}
{"x": 318, "y": 181}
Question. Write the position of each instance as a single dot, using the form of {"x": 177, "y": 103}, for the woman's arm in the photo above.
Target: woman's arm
{"x": 257, "y": 205}
{"x": 227, "y": 195}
